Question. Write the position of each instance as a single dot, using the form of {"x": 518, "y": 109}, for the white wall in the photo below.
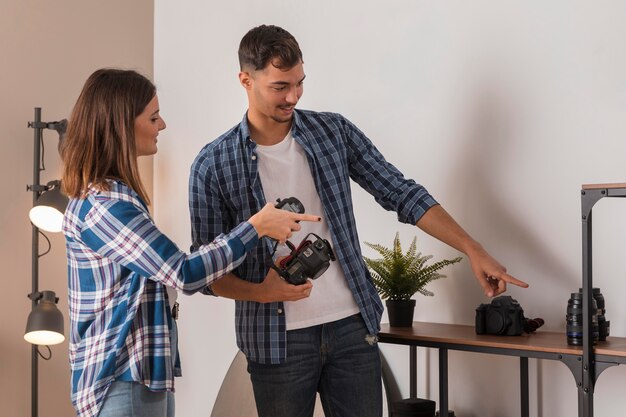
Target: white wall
{"x": 48, "y": 49}
{"x": 502, "y": 109}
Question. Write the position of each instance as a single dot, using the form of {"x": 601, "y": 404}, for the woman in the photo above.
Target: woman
{"x": 123, "y": 354}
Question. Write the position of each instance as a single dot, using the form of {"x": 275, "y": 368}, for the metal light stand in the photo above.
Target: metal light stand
{"x": 37, "y": 189}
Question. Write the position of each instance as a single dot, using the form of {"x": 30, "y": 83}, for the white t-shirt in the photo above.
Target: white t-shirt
{"x": 284, "y": 171}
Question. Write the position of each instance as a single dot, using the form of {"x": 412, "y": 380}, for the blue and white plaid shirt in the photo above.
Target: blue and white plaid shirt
{"x": 225, "y": 188}
{"x": 119, "y": 264}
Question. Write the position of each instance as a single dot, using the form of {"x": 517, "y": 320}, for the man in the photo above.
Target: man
{"x": 298, "y": 341}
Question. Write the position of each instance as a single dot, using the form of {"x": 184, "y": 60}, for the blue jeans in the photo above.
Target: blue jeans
{"x": 336, "y": 359}
{"x": 130, "y": 399}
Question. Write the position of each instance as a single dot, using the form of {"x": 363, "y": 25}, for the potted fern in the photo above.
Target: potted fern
{"x": 398, "y": 276}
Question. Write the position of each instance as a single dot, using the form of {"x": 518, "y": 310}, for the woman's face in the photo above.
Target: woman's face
{"x": 147, "y": 127}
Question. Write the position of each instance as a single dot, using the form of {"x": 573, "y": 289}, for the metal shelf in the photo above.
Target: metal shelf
{"x": 586, "y": 362}
{"x": 591, "y": 364}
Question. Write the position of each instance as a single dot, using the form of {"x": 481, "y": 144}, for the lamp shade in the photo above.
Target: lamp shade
{"x": 45, "y": 322}
{"x": 47, "y": 214}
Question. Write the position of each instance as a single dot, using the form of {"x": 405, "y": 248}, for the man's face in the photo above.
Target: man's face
{"x": 273, "y": 93}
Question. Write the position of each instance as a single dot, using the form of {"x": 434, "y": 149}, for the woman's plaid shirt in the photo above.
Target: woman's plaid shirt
{"x": 119, "y": 264}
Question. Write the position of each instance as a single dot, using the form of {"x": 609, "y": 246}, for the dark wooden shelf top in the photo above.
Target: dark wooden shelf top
{"x": 603, "y": 186}
{"x": 456, "y": 334}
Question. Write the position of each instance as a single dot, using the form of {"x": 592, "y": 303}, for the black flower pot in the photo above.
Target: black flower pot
{"x": 400, "y": 312}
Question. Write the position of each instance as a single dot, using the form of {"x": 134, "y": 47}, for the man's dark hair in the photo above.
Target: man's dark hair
{"x": 267, "y": 44}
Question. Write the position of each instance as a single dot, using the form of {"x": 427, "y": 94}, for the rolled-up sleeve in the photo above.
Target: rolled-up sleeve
{"x": 122, "y": 232}
{"x": 369, "y": 168}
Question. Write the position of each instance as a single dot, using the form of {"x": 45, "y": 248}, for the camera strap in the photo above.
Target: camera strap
{"x": 270, "y": 257}
{"x": 283, "y": 262}
{"x": 530, "y": 325}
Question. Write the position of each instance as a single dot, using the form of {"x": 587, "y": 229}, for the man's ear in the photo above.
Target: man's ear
{"x": 245, "y": 79}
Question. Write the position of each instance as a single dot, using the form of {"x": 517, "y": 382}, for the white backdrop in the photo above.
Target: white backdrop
{"x": 501, "y": 109}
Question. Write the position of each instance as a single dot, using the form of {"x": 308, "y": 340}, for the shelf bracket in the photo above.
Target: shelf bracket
{"x": 589, "y": 198}
{"x": 575, "y": 365}
{"x": 601, "y": 367}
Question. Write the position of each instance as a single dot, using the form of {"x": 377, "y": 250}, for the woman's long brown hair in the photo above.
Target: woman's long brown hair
{"x": 100, "y": 140}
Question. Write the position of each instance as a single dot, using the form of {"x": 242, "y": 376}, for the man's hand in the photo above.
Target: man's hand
{"x": 274, "y": 288}
{"x": 491, "y": 276}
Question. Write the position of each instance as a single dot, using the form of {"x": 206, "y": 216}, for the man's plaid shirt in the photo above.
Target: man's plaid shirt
{"x": 224, "y": 188}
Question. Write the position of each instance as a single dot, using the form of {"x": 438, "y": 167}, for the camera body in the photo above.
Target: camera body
{"x": 503, "y": 316}
{"x": 310, "y": 259}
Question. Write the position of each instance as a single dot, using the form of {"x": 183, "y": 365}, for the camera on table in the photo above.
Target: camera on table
{"x": 504, "y": 316}
{"x": 310, "y": 259}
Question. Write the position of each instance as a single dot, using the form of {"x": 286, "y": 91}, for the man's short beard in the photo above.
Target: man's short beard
{"x": 277, "y": 120}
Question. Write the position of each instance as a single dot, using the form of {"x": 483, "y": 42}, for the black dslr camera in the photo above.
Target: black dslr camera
{"x": 504, "y": 316}
{"x": 310, "y": 259}
{"x": 291, "y": 204}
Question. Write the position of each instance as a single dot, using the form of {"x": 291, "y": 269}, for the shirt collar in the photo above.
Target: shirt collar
{"x": 245, "y": 129}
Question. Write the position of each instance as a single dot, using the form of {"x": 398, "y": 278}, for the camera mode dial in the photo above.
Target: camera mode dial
{"x": 291, "y": 204}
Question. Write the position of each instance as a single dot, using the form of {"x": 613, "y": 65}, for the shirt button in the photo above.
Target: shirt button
{"x": 280, "y": 311}
{"x": 253, "y": 157}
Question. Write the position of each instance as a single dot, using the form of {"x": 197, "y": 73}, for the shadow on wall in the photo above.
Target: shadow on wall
{"x": 235, "y": 398}
{"x": 485, "y": 155}
{"x": 483, "y": 162}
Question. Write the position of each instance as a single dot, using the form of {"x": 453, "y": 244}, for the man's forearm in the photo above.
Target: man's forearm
{"x": 235, "y": 288}
{"x": 439, "y": 224}
{"x": 491, "y": 275}
{"x": 272, "y": 289}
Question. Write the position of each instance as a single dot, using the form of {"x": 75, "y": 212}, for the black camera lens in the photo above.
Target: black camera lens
{"x": 605, "y": 329}
{"x": 574, "y": 320}
{"x": 497, "y": 322}
{"x": 597, "y": 295}
{"x": 603, "y": 323}
{"x": 503, "y": 316}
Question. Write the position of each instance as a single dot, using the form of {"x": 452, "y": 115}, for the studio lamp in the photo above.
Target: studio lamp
{"x": 47, "y": 213}
{"x": 45, "y": 321}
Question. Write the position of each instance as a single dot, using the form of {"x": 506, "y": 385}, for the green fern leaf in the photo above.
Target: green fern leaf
{"x": 398, "y": 275}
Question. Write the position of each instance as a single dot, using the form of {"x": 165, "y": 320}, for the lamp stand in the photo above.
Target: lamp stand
{"x": 34, "y": 375}
{"x": 37, "y": 189}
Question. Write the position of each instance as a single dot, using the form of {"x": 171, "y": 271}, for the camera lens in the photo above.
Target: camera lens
{"x": 603, "y": 324}
{"x": 496, "y": 322}
{"x": 574, "y": 320}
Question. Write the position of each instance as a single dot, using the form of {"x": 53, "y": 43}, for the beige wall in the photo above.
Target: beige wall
{"x": 48, "y": 49}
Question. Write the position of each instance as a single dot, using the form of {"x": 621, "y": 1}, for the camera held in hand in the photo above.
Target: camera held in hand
{"x": 291, "y": 204}
{"x": 310, "y": 259}
{"x": 504, "y": 316}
